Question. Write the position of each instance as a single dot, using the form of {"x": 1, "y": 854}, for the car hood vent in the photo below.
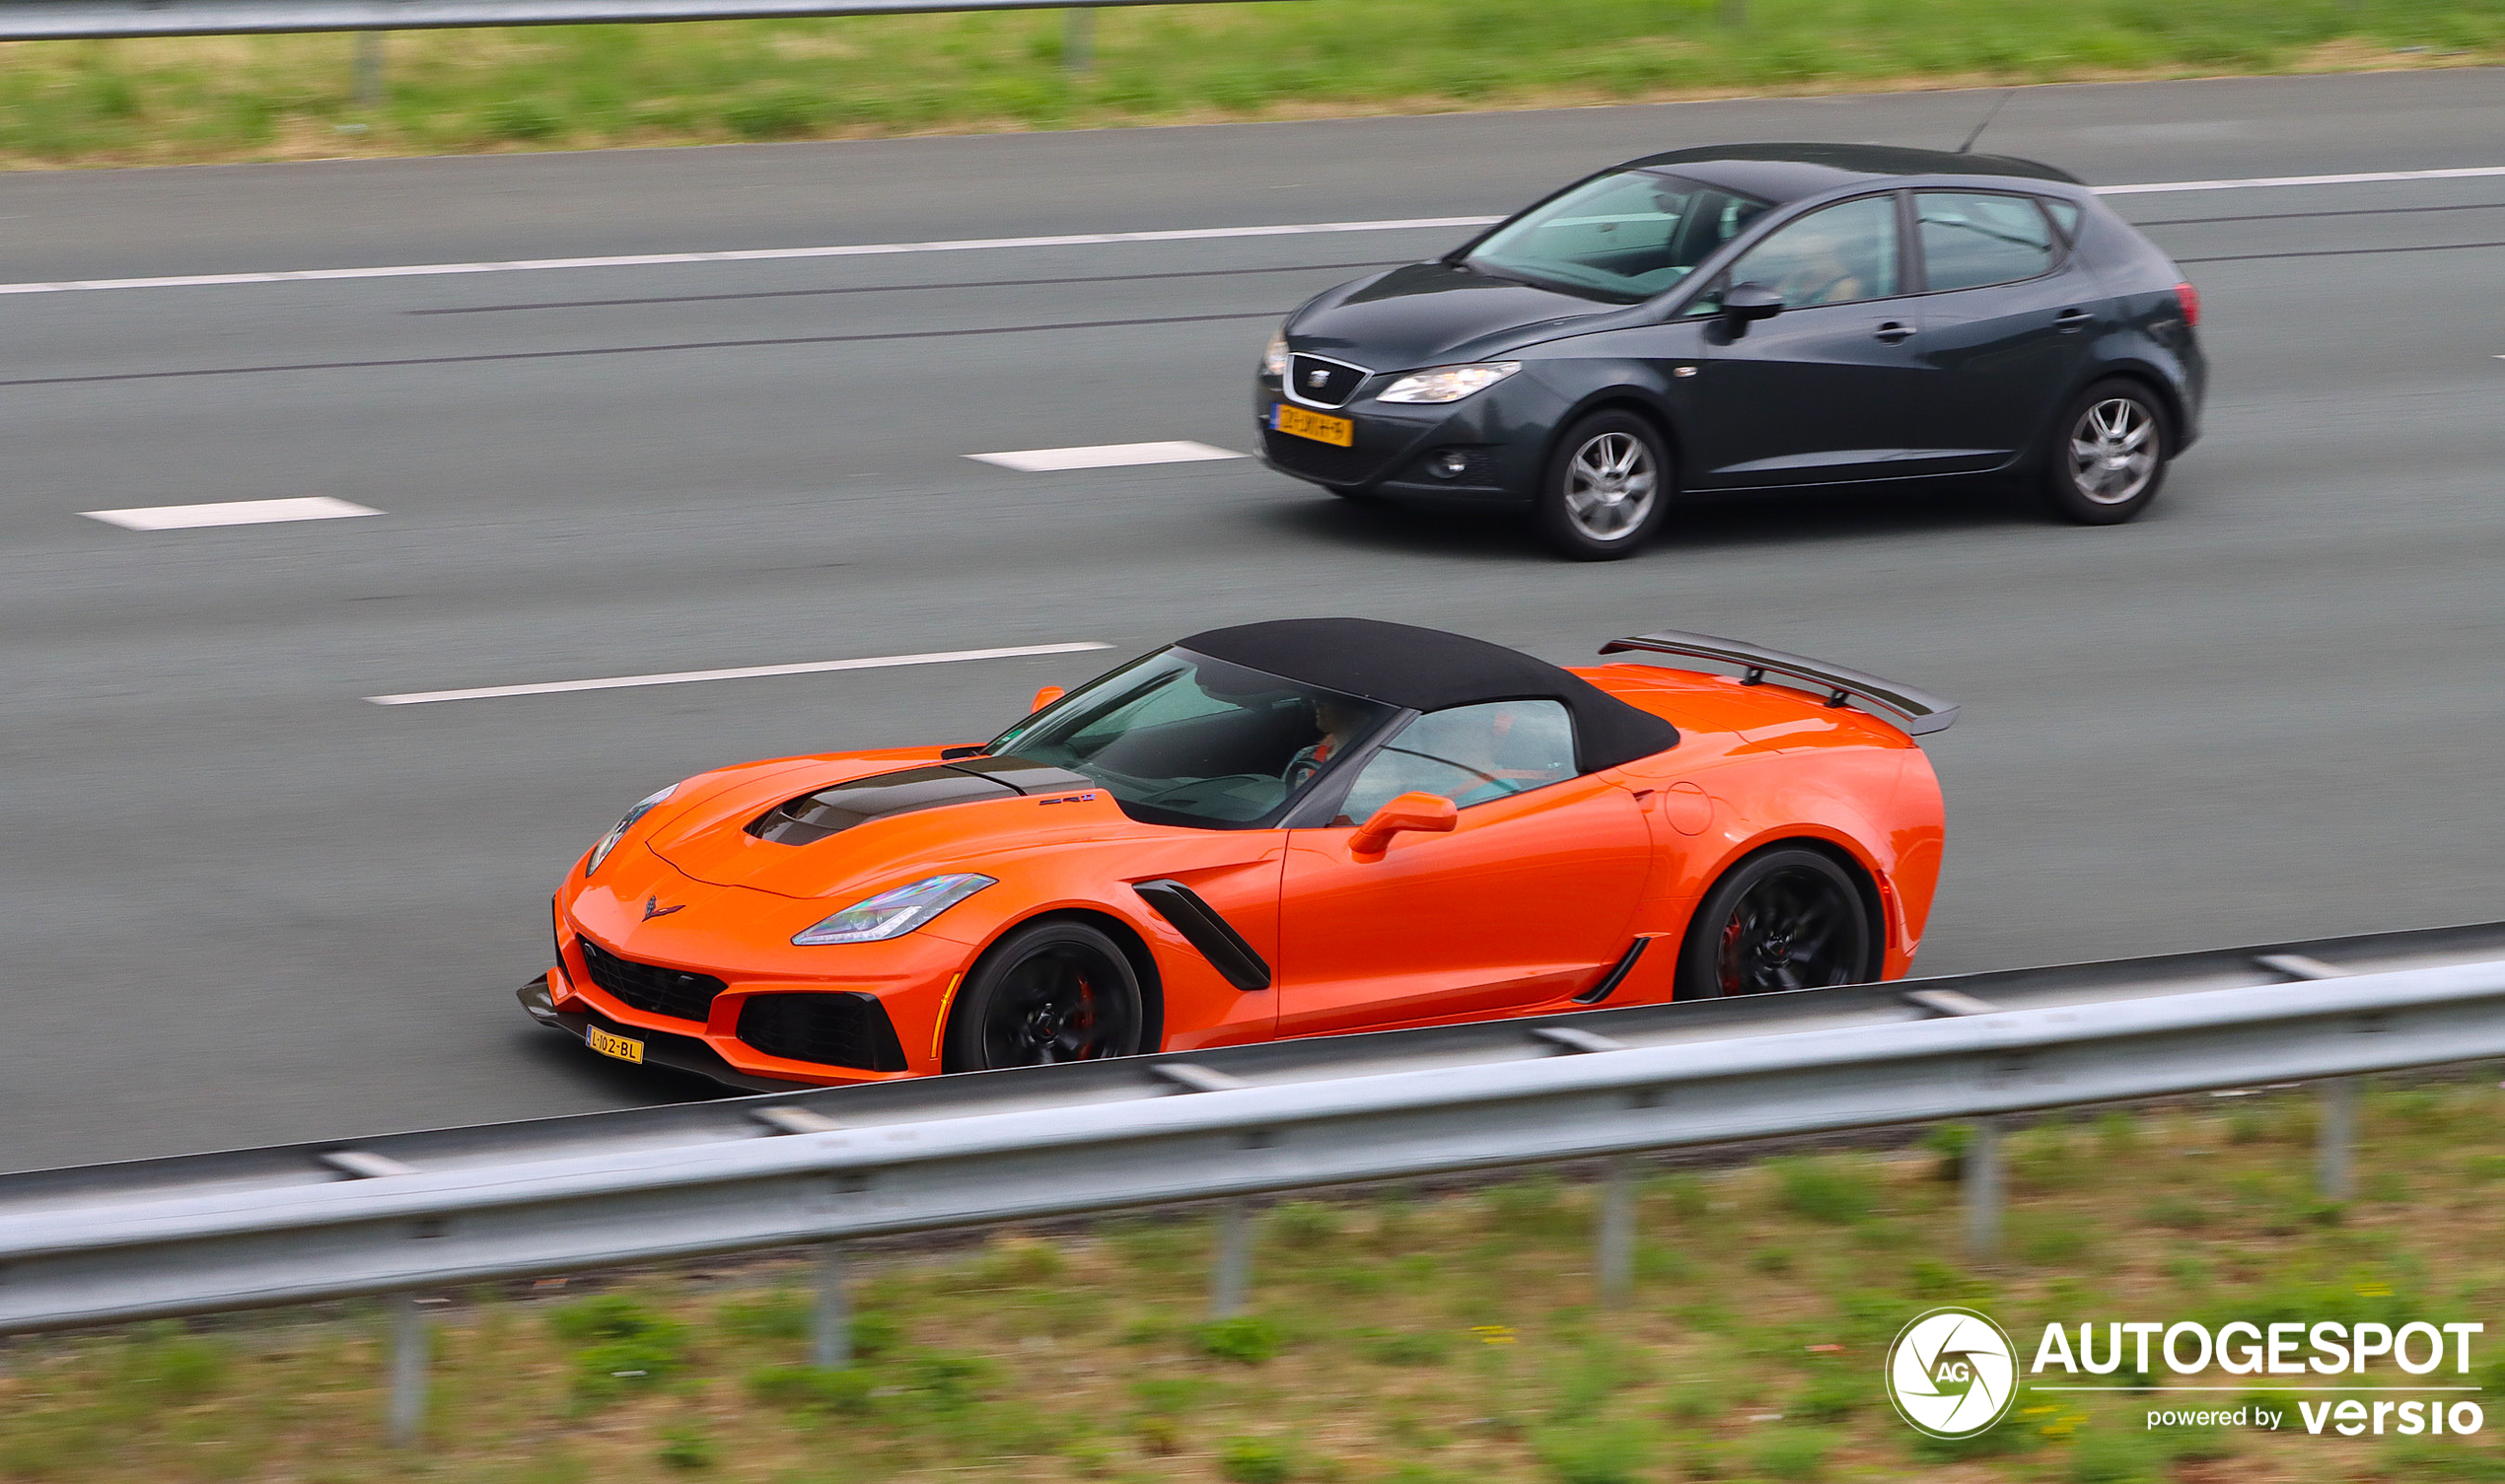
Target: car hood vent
{"x": 812, "y": 817}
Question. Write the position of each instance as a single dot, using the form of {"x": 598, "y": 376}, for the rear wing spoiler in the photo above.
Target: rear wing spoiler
{"x": 1912, "y": 710}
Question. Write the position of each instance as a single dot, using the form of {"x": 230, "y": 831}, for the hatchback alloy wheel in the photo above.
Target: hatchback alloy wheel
{"x": 2108, "y": 454}
{"x": 1610, "y": 486}
{"x": 1607, "y": 485}
{"x": 2114, "y": 451}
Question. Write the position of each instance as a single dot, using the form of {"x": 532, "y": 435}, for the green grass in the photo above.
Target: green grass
{"x": 201, "y": 98}
{"x": 1474, "y": 1349}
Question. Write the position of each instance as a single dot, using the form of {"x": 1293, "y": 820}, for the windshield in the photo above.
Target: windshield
{"x": 1182, "y": 739}
{"x": 1624, "y": 237}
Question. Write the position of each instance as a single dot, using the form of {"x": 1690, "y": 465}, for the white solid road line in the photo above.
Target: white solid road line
{"x": 228, "y": 512}
{"x": 752, "y": 671}
{"x": 2372, "y": 177}
{"x": 1104, "y": 455}
{"x": 1079, "y": 240}
{"x": 742, "y": 255}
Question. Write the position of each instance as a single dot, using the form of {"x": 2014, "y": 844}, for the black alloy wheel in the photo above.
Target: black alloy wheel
{"x": 2109, "y": 454}
{"x": 1607, "y": 487}
{"x": 1787, "y": 918}
{"x": 1050, "y": 992}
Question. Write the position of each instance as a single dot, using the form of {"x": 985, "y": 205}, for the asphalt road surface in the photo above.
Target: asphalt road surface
{"x": 240, "y": 903}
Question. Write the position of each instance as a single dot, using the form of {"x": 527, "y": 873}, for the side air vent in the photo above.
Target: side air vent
{"x": 1202, "y": 928}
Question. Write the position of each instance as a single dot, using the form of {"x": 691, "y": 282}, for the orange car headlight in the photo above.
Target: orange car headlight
{"x": 894, "y": 913}
{"x": 609, "y": 842}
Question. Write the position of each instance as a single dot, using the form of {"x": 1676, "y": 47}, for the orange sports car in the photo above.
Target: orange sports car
{"x": 1291, "y": 828}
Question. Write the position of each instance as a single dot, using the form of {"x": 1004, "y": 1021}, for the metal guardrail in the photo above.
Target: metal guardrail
{"x": 414, "y": 1212}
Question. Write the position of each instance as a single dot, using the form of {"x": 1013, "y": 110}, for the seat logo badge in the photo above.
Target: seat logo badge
{"x": 653, "y": 908}
{"x": 1315, "y": 378}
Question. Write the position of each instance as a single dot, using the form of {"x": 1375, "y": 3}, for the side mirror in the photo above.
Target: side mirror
{"x": 1427, "y": 813}
{"x": 1045, "y": 697}
{"x": 1743, "y": 304}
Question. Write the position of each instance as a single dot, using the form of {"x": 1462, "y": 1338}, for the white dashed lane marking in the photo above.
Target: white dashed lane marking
{"x": 228, "y": 512}
{"x": 1103, "y": 455}
{"x": 1075, "y": 239}
{"x": 745, "y": 672}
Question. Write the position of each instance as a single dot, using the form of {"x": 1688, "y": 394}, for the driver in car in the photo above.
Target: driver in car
{"x": 1340, "y": 727}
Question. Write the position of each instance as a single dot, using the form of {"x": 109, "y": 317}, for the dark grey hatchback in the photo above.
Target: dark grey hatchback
{"x": 1751, "y": 318}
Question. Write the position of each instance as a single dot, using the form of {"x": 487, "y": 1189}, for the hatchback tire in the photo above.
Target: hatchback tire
{"x": 2108, "y": 455}
{"x": 1607, "y": 487}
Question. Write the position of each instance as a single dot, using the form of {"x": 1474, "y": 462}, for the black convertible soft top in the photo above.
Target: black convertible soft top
{"x": 1428, "y": 670}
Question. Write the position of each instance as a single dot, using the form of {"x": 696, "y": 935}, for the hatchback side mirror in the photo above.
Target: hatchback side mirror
{"x": 1427, "y": 813}
{"x": 1045, "y": 697}
{"x": 1743, "y": 304}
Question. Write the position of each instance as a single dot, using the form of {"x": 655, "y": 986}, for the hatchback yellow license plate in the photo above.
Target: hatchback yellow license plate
{"x": 1319, "y": 427}
{"x": 624, "y": 1048}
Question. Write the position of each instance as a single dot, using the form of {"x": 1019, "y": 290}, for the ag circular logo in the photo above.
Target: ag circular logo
{"x": 1952, "y": 1373}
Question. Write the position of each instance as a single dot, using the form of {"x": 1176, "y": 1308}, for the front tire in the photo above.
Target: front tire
{"x": 2108, "y": 454}
{"x": 1049, "y": 992}
{"x": 1607, "y": 487}
{"x": 1786, "y": 918}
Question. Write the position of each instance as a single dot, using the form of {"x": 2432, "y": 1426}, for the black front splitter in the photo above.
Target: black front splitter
{"x": 681, "y": 1053}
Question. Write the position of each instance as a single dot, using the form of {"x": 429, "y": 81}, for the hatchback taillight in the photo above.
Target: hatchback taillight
{"x": 2190, "y": 297}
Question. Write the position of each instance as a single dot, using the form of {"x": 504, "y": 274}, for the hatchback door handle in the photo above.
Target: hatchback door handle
{"x": 2071, "y": 319}
{"x": 1891, "y": 332}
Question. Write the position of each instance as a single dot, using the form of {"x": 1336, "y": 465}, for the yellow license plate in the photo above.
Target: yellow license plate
{"x": 1313, "y": 425}
{"x": 621, "y": 1047}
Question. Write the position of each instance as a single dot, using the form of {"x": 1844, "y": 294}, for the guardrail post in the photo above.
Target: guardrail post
{"x": 1983, "y": 1190}
{"x": 1228, "y": 1280}
{"x": 1078, "y": 38}
{"x": 830, "y": 1331}
{"x": 369, "y": 67}
{"x": 409, "y": 1345}
{"x": 1615, "y": 1261}
{"x": 2337, "y": 1135}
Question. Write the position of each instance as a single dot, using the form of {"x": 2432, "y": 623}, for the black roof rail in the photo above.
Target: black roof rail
{"x": 1919, "y": 714}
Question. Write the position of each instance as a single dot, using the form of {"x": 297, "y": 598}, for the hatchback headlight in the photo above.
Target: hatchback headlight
{"x": 609, "y": 842}
{"x": 894, "y": 913}
{"x": 1448, "y": 383}
{"x": 1275, "y": 359}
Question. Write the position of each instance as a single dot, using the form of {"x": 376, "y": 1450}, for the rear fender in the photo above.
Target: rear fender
{"x": 1855, "y": 802}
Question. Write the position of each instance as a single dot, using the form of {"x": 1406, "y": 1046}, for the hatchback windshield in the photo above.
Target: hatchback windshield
{"x": 1182, "y": 739}
{"x": 1624, "y": 237}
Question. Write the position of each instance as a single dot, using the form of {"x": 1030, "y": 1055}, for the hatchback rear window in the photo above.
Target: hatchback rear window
{"x": 1971, "y": 238}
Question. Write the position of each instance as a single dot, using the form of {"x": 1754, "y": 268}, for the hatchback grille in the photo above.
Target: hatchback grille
{"x": 1325, "y": 383}
{"x": 831, "y": 1029}
{"x": 649, "y": 987}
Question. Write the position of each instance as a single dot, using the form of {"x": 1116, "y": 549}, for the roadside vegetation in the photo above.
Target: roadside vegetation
{"x": 221, "y": 99}
{"x": 1397, "y": 1338}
